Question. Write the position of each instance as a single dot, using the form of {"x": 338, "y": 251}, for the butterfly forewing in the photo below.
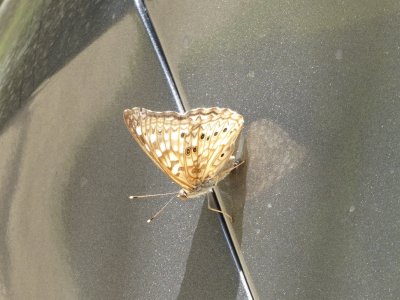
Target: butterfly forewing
{"x": 190, "y": 148}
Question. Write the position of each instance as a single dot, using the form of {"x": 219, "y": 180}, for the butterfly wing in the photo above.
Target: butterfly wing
{"x": 214, "y": 132}
{"x": 158, "y": 134}
{"x": 190, "y": 148}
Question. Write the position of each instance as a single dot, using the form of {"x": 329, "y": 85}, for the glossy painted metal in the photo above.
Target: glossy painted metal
{"x": 317, "y": 210}
{"x": 68, "y": 165}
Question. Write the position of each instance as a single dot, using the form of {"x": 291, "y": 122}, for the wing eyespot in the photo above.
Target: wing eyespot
{"x": 194, "y": 149}
{"x": 202, "y": 136}
{"x": 187, "y": 151}
{"x": 225, "y": 129}
{"x": 222, "y": 155}
{"x": 215, "y": 133}
{"x": 182, "y": 135}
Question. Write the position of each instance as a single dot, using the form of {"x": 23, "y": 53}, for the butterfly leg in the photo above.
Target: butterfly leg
{"x": 218, "y": 211}
{"x": 220, "y": 177}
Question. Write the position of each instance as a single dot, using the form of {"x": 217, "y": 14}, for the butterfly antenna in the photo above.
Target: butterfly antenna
{"x": 153, "y": 195}
{"x": 160, "y": 211}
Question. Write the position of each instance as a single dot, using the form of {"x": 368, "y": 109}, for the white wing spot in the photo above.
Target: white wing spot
{"x": 173, "y": 157}
{"x": 153, "y": 138}
{"x": 139, "y": 130}
{"x": 175, "y": 169}
{"x": 162, "y": 147}
{"x": 158, "y": 152}
{"x": 167, "y": 162}
{"x": 167, "y": 141}
{"x": 194, "y": 141}
{"x": 181, "y": 148}
{"x": 174, "y": 136}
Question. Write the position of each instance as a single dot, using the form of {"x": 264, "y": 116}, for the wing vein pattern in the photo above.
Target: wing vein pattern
{"x": 190, "y": 148}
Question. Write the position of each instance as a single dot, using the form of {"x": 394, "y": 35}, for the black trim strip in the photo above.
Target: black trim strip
{"x": 142, "y": 10}
{"x": 148, "y": 25}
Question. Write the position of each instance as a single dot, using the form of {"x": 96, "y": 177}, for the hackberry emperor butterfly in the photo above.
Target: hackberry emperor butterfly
{"x": 194, "y": 149}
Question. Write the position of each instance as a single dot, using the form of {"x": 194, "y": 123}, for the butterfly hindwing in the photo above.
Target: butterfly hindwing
{"x": 216, "y": 143}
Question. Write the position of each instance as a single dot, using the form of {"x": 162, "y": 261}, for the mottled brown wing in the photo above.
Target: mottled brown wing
{"x": 213, "y": 137}
{"x": 190, "y": 148}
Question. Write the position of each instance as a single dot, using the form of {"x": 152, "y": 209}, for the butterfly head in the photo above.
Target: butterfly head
{"x": 183, "y": 194}
{"x": 198, "y": 191}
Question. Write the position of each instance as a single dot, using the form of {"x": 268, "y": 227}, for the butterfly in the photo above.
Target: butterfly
{"x": 194, "y": 149}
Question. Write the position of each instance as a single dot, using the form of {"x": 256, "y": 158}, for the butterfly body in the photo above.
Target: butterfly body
{"x": 194, "y": 149}
{"x": 203, "y": 188}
